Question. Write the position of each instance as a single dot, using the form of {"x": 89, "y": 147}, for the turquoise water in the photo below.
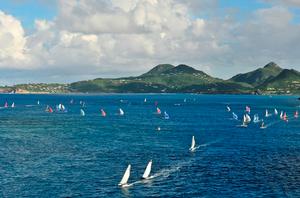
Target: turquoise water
{"x": 66, "y": 155}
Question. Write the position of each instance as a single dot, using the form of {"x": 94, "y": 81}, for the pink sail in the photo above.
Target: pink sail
{"x": 158, "y": 111}
{"x": 103, "y": 113}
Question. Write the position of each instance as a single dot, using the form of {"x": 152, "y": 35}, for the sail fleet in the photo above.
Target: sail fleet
{"x": 256, "y": 119}
{"x": 246, "y": 120}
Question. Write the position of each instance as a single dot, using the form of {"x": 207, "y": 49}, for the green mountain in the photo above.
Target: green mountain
{"x": 163, "y": 78}
{"x": 287, "y": 82}
{"x": 166, "y": 78}
{"x": 159, "y": 69}
{"x": 258, "y": 76}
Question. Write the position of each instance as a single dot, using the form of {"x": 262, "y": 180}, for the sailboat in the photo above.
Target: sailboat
{"x": 124, "y": 180}
{"x": 262, "y": 125}
{"x": 281, "y": 115}
{"x": 38, "y": 102}
{"x": 121, "y": 112}
{"x": 248, "y": 109}
{"x": 246, "y": 120}
{"x": 147, "y": 170}
{"x": 256, "y": 118}
{"x": 13, "y": 105}
{"x": 296, "y": 114}
{"x": 49, "y": 109}
{"x": 158, "y": 111}
{"x": 166, "y": 116}
{"x": 82, "y": 113}
{"x": 193, "y": 145}
{"x": 61, "y": 108}
{"x": 234, "y": 116}
{"x": 228, "y": 109}
{"x": 145, "y": 100}
{"x": 275, "y": 112}
{"x": 103, "y": 114}
{"x": 285, "y": 118}
{"x": 5, "y": 105}
{"x": 267, "y": 114}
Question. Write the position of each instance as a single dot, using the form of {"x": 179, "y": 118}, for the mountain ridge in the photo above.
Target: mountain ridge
{"x": 167, "y": 78}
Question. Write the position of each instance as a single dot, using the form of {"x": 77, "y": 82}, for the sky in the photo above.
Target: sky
{"x": 67, "y": 41}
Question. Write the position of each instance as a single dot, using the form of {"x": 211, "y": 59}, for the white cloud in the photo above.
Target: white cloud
{"x": 119, "y": 38}
{"x": 290, "y": 3}
{"x": 12, "y": 42}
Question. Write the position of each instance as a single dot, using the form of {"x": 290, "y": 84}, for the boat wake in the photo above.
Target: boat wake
{"x": 209, "y": 143}
{"x": 166, "y": 172}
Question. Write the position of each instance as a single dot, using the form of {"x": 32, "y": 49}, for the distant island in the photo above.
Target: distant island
{"x": 167, "y": 78}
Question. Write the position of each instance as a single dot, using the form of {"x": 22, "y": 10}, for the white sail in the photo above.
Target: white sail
{"x": 63, "y": 107}
{"x": 244, "y": 119}
{"x": 228, "y": 109}
{"x": 147, "y": 170}
{"x": 125, "y": 176}
{"x": 145, "y": 100}
{"x": 275, "y": 111}
{"x": 193, "y": 144}
{"x": 281, "y": 114}
{"x": 121, "y": 112}
{"x": 38, "y": 102}
{"x": 82, "y": 113}
{"x": 248, "y": 119}
{"x": 13, "y": 105}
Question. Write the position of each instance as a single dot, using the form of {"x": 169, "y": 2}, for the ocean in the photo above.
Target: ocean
{"x": 63, "y": 154}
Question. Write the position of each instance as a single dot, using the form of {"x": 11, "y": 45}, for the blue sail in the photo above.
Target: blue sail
{"x": 166, "y": 116}
{"x": 234, "y": 116}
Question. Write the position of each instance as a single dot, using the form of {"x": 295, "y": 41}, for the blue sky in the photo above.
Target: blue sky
{"x": 29, "y": 10}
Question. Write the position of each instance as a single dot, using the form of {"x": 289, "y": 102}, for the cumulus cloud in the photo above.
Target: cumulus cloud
{"x": 12, "y": 42}
{"x": 99, "y": 38}
{"x": 291, "y": 3}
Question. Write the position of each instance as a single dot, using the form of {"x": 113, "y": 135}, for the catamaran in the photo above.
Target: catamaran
{"x": 193, "y": 145}
{"x": 124, "y": 180}
{"x": 147, "y": 170}
{"x": 121, "y": 112}
{"x": 82, "y": 113}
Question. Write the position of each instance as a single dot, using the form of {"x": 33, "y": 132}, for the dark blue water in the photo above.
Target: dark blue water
{"x": 66, "y": 155}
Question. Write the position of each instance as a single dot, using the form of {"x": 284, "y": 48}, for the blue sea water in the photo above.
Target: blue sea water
{"x": 67, "y": 155}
